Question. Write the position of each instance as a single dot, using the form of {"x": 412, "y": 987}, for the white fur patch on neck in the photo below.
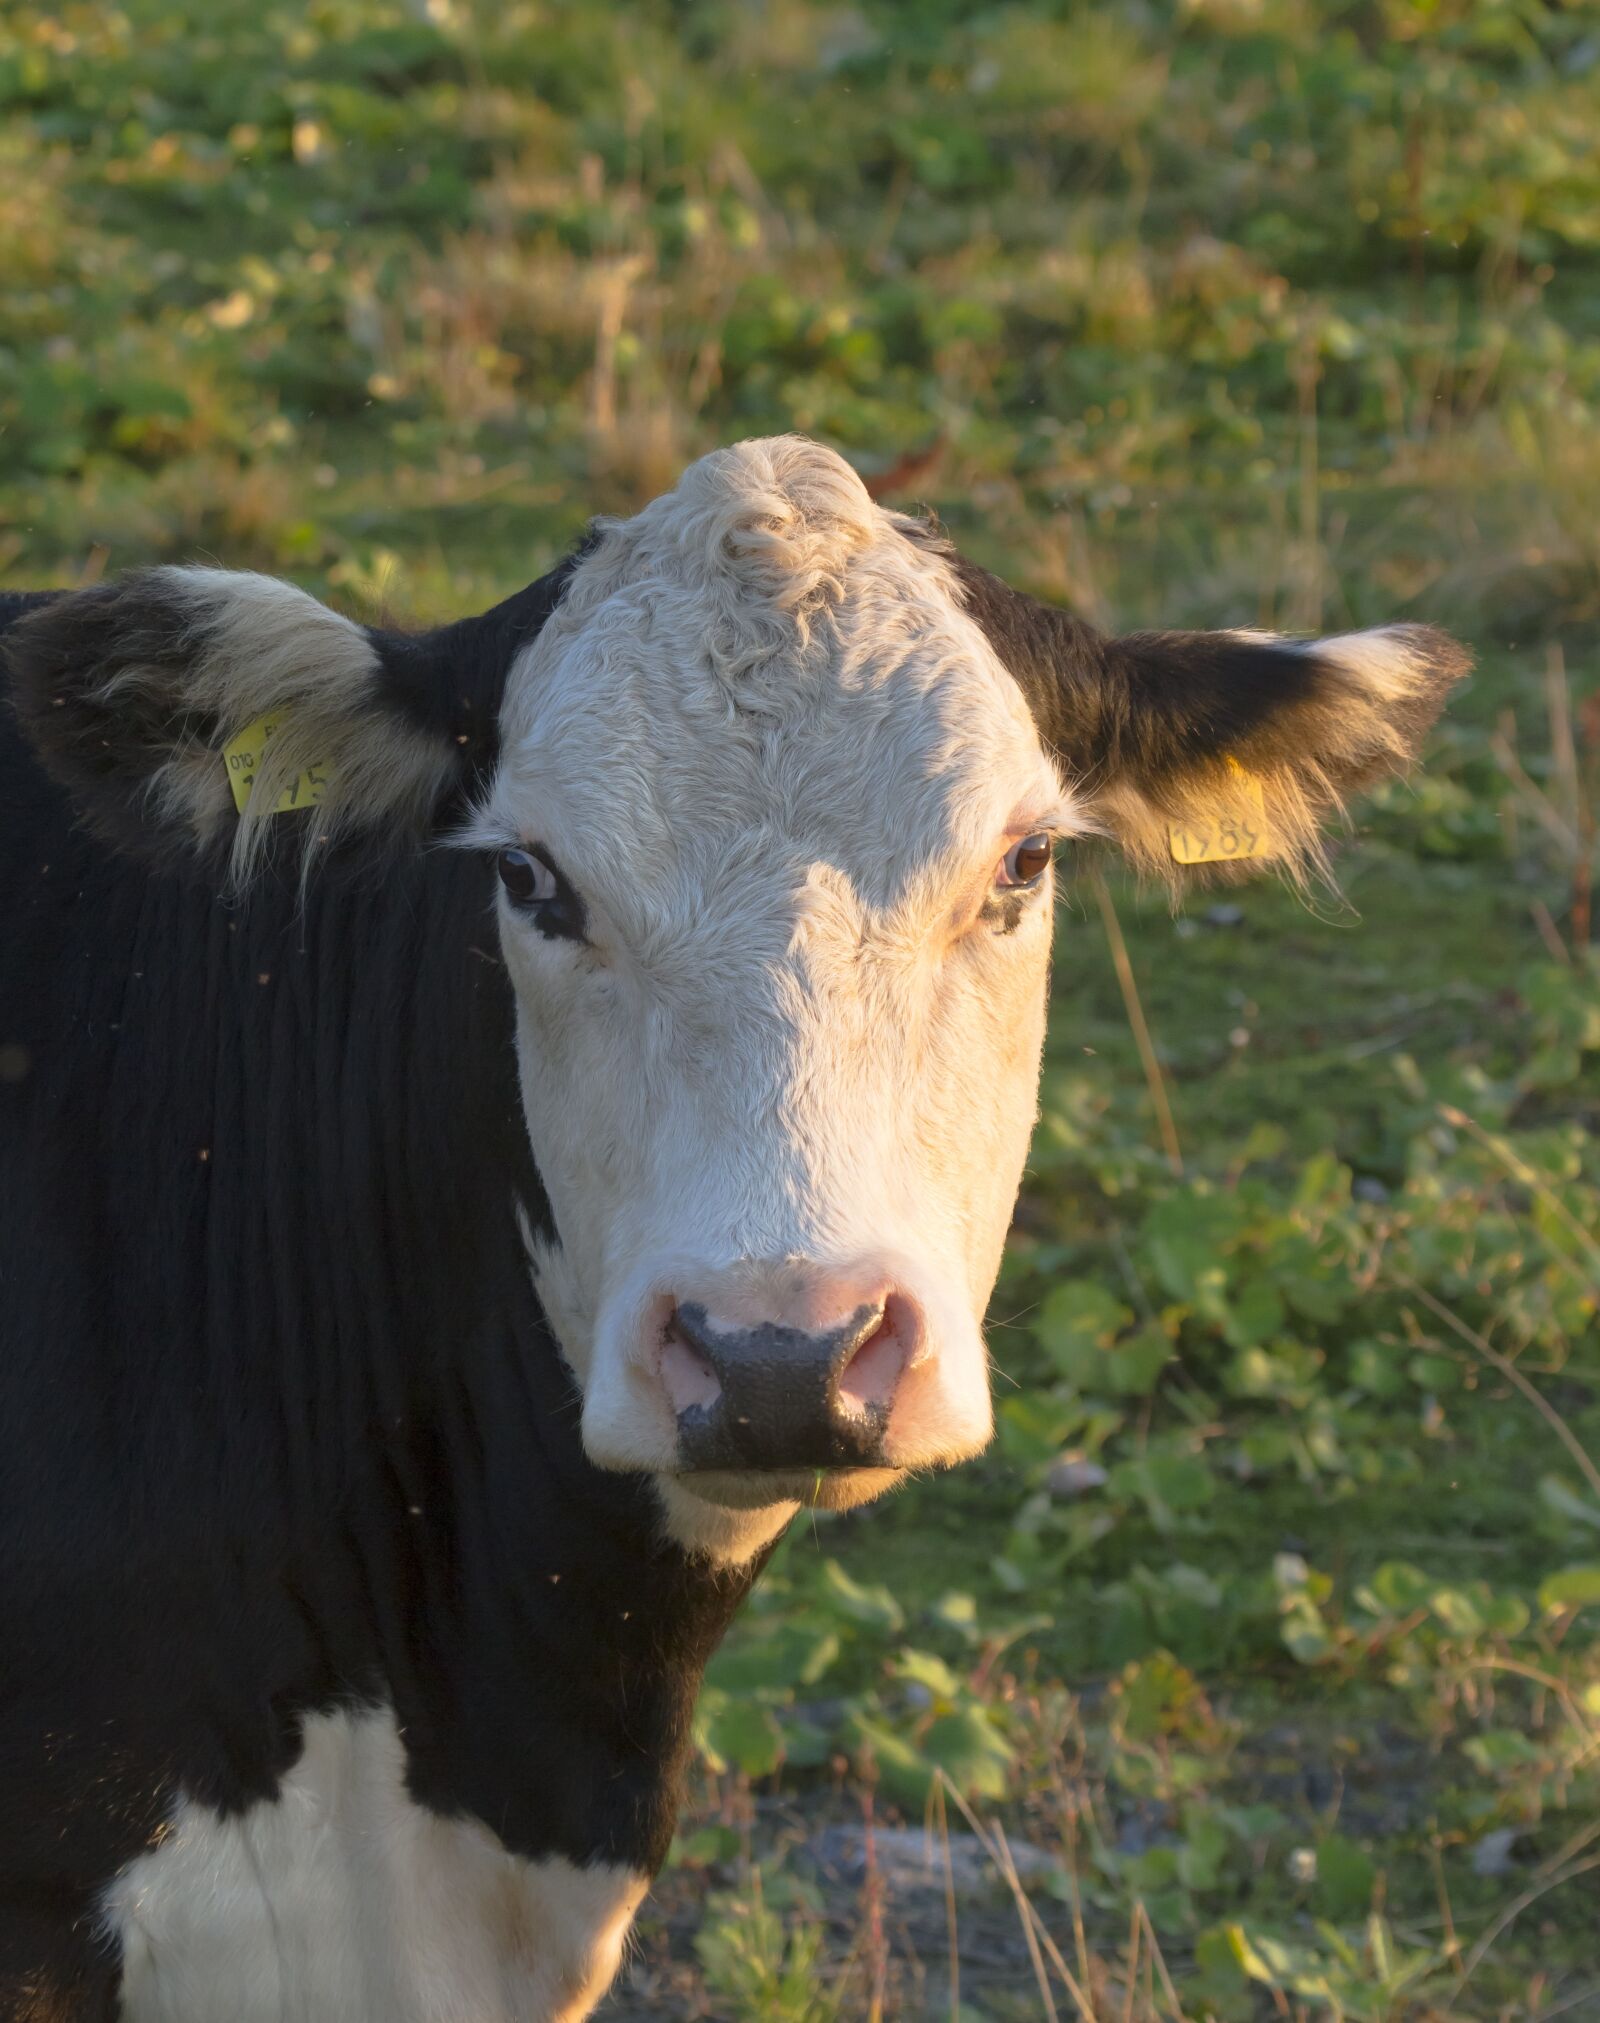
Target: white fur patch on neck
{"x": 343, "y": 1899}
{"x": 728, "y": 1538}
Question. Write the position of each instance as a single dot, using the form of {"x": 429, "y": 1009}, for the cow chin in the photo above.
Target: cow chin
{"x": 811, "y": 1488}
{"x": 733, "y": 1516}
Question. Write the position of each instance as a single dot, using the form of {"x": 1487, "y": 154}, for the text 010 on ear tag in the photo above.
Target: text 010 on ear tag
{"x": 1232, "y": 829}
{"x": 243, "y": 755}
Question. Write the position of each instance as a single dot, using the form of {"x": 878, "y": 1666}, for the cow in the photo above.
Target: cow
{"x": 493, "y": 1122}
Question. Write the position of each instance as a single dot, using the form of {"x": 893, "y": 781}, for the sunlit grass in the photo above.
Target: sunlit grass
{"x": 1255, "y": 1671}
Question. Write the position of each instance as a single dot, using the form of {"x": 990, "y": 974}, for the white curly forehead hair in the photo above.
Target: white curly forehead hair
{"x": 764, "y": 649}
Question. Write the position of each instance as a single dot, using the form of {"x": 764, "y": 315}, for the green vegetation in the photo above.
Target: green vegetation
{"x": 1265, "y": 1646}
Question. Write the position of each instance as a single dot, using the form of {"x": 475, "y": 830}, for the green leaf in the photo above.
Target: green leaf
{"x": 1255, "y": 1315}
{"x": 1291, "y": 1576}
{"x": 1206, "y": 1841}
{"x": 708, "y": 1847}
{"x": 1317, "y": 1295}
{"x": 1265, "y": 1957}
{"x": 1079, "y": 1328}
{"x": 1189, "y": 1234}
{"x": 1575, "y": 1587}
{"x": 971, "y": 1751}
{"x": 1502, "y": 1752}
{"x": 922, "y": 1668}
{"x": 1167, "y": 1484}
{"x": 903, "y": 1773}
{"x": 1217, "y": 1958}
{"x": 1188, "y": 1270}
{"x": 1434, "y": 1373}
{"x": 1399, "y": 1587}
{"x": 1324, "y": 1182}
{"x": 1305, "y": 1634}
{"x": 1345, "y": 1878}
{"x": 874, "y": 1606}
{"x": 774, "y": 1659}
{"x": 1132, "y": 1367}
{"x": 1375, "y": 1369}
{"x": 1457, "y": 1612}
{"x": 1034, "y": 1426}
{"x": 1076, "y": 1316}
{"x": 1158, "y": 1697}
{"x": 1565, "y": 1502}
{"x": 746, "y": 1735}
{"x": 1504, "y": 1615}
{"x": 958, "y": 1612}
{"x": 808, "y": 1742}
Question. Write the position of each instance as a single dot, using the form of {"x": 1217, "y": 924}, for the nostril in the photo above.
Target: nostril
{"x": 686, "y": 1376}
{"x": 815, "y": 1388}
{"x": 869, "y": 1380}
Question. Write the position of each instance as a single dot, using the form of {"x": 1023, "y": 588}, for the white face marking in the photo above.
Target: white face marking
{"x": 781, "y": 768}
{"x": 344, "y": 1899}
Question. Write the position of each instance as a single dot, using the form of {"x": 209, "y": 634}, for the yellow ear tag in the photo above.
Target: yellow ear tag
{"x": 1234, "y": 828}
{"x": 243, "y": 755}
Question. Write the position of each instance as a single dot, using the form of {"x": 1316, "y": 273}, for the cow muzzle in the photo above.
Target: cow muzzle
{"x": 781, "y": 1391}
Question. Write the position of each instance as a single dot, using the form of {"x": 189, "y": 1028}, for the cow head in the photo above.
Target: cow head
{"x": 767, "y": 782}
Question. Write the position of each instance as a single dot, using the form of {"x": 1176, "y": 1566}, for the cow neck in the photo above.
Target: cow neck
{"x": 284, "y": 1343}
{"x": 539, "y": 1639}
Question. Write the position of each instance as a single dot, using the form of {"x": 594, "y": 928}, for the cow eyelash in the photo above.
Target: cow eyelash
{"x": 539, "y": 891}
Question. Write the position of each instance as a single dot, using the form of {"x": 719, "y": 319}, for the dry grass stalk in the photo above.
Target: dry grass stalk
{"x": 936, "y": 1802}
{"x": 1521, "y": 1171}
{"x": 1563, "y": 808}
{"x": 1155, "y": 1080}
{"x": 1038, "y": 1939}
{"x": 1510, "y": 1372}
{"x": 1514, "y": 1910}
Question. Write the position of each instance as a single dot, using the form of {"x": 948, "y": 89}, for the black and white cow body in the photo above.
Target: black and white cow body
{"x": 424, "y": 1300}
{"x": 284, "y": 1434}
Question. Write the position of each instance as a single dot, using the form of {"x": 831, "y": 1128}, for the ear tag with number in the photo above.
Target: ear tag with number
{"x": 1234, "y": 827}
{"x": 243, "y": 755}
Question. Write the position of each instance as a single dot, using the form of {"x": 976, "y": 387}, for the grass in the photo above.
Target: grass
{"x": 1256, "y": 1671}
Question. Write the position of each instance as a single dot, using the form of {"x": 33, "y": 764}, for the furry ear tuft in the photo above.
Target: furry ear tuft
{"x": 1308, "y": 723}
{"x": 132, "y": 690}
{"x": 1154, "y": 730}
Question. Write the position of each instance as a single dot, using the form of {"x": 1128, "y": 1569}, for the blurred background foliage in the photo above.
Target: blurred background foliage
{"x": 1257, "y": 1670}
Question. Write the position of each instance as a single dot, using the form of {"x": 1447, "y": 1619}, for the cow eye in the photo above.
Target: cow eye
{"x": 1025, "y": 860}
{"x": 536, "y": 888}
{"x": 528, "y": 881}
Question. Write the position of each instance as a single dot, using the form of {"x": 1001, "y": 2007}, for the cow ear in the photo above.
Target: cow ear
{"x": 1202, "y": 753}
{"x": 134, "y": 692}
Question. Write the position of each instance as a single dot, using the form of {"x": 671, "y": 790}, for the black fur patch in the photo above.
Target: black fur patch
{"x": 14, "y": 603}
{"x": 449, "y": 683}
{"x": 102, "y": 738}
{"x": 1151, "y": 707}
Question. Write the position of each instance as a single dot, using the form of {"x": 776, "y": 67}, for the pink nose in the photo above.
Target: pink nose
{"x": 785, "y": 1366}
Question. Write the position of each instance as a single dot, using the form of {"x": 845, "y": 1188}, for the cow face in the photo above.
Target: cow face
{"x": 773, "y": 828}
{"x": 767, "y": 783}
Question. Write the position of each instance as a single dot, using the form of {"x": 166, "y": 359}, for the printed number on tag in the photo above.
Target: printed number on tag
{"x": 1237, "y": 831}
{"x": 243, "y": 755}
